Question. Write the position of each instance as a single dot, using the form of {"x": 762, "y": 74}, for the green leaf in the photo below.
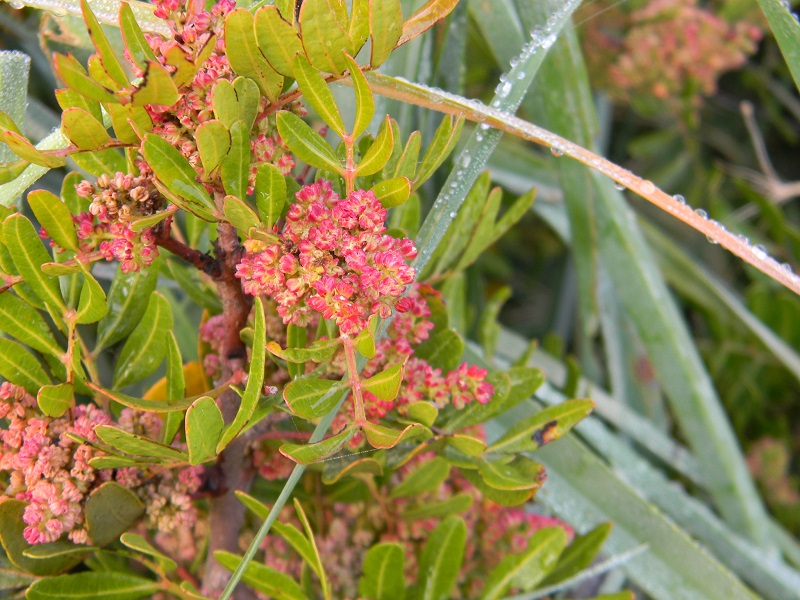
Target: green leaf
{"x": 421, "y": 412}
{"x": 307, "y": 144}
{"x": 138, "y": 544}
{"x": 10, "y": 171}
{"x": 255, "y": 379}
{"x": 175, "y": 172}
{"x": 379, "y": 436}
{"x": 92, "y": 304}
{"x": 138, "y": 48}
{"x": 316, "y": 560}
{"x": 18, "y": 366}
{"x": 24, "y": 323}
{"x": 145, "y": 348}
{"x": 365, "y": 103}
{"x": 213, "y": 142}
{"x": 55, "y": 217}
{"x": 137, "y": 445}
{"x": 386, "y": 384}
{"x": 239, "y": 214}
{"x": 22, "y": 147}
{"x": 263, "y": 578}
{"x": 83, "y": 130}
{"x": 318, "y": 351}
{"x": 270, "y": 193}
{"x": 204, "y": 425}
{"x": 176, "y": 389}
{"x": 349, "y": 465}
{"x": 29, "y": 254}
{"x": 11, "y": 535}
{"x": 379, "y": 152}
{"x": 245, "y": 57}
{"x": 127, "y": 302}
{"x": 156, "y": 406}
{"x": 509, "y": 477}
{"x": 312, "y": 398}
{"x": 406, "y": 163}
{"x": 579, "y": 555}
{"x": 225, "y": 103}
{"x": 235, "y": 167}
{"x": 157, "y": 87}
{"x": 318, "y": 95}
{"x": 108, "y": 56}
{"x": 70, "y": 71}
{"x": 100, "y": 585}
{"x": 471, "y": 446}
{"x": 385, "y": 27}
{"x": 786, "y": 30}
{"x": 501, "y": 497}
{"x": 442, "y": 144}
{"x": 442, "y": 350}
{"x": 110, "y": 511}
{"x": 425, "y": 478}
{"x": 277, "y": 39}
{"x": 54, "y": 400}
{"x": 526, "y": 570}
{"x": 359, "y": 26}
{"x": 305, "y": 454}
{"x": 537, "y": 430}
{"x": 425, "y": 18}
{"x": 392, "y": 192}
{"x": 325, "y": 38}
{"x": 441, "y": 560}
{"x": 128, "y": 121}
{"x": 382, "y": 577}
{"x": 8, "y": 124}
{"x": 434, "y": 510}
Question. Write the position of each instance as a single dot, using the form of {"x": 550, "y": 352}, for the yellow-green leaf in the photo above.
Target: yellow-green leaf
{"x": 235, "y": 167}
{"x": 213, "y": 142}
{"x": 270, "y": 193}
{"x": 22, "y": 147}
{"x": 305, "y": 454}
{"x": 425, "y": 18}
{"x": 19, "y": 366}
{"x": 129, "y": 122}
{"x": 392, "y": 192}
{"x": 365, "y": 103}
{"x": 317, "y": 94}
{"x": 245, "y": 57}
{"x": 379, "y": 152}
{"x": 239, "y": 214}
{"x": 156, "y": 87}
{"x": 24, "y": 323}
{"x": 108, "y": 56}
{"x": 386, "y": 384}
{"x": 324, "y": 36}
{"x": 204, "y": 426}
{"x": 83, "y": 130}
{"x": 54, "y": 400}
{"x": 312, "y": 398}
{"x": 307, "y": 144}
{"x": 385, "y": 27}
{"x": 70, "y": 71}
{"x": 138, "y": 48}
{"x": 92, "y": 304}
{"x": 55, "y": 217}
{"x": 277, "y": 39}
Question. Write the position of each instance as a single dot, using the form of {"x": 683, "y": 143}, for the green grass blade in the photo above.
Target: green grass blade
{"x": 786, "y": 29}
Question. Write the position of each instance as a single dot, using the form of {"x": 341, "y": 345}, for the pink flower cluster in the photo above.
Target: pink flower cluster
{"x": 671, "y": 50}
{"x": 46, "y": 468}
{"x": 191, "y": 32}
{"x": 333, "y": 258}
{"x": 114, "y": 202}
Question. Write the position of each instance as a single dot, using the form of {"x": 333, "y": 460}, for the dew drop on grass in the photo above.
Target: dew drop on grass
{"x": 16, "y": 5}
{"x": 453, "y": 215}
{"x": 701, "y": 213}
{"x": 760, "y": 252}
{"x": 786, "y": 267}
{"x": 556, "y": 151}
{"x": 619, "y": 186}
{"x": 647, "y": 187}
{"x": 679, "y": 199}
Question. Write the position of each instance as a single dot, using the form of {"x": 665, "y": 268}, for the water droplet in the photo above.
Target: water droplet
{"x": 453, "y": 215}
{"x": 484, "y": 126}
{"x": 718, "y": 224}
{"x": 16, "y": 5}
{"x": 548, "y": 41}
{"x": 503, "y": 89}
{"x": 679, "y": 198}
{"x": 647, "y": 187}
{"x": 701, "y": 213}
{"x": 619, "y": 186}
{"x": 760, "y": 252}
{"x": 711, "y": 240}
{"x": 556, "y": 151}
{"x": 743, "y": 238}
{"x": 786, "y": 267}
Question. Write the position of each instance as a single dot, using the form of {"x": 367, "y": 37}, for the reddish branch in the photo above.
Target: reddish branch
{"x": 203, "y": 262}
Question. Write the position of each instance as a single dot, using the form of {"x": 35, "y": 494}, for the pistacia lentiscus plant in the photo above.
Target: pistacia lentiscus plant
{"x": 326, "y": 368}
